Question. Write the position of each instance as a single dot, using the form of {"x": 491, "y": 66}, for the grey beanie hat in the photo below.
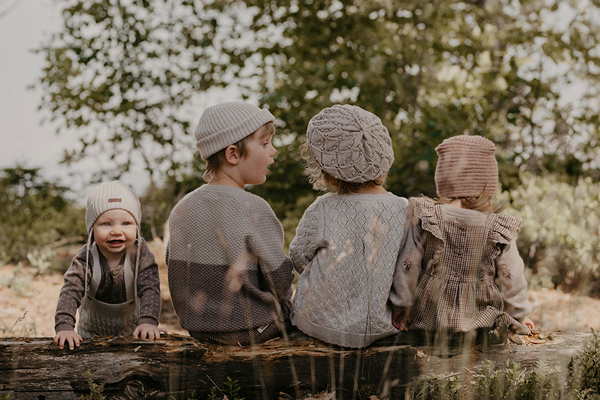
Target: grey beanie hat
{"x": 226, "y": 124}
{"x": 466, "y": 166}
{"x": 108, "y": 196}
{"x": 350, "y": 144}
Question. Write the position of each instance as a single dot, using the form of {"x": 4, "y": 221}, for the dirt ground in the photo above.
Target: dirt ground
{"x": 29, "y": 302}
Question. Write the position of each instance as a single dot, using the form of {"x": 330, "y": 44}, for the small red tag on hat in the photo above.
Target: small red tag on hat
{"x": 115, "y": 200}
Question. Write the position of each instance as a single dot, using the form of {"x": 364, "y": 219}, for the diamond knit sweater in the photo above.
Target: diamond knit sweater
{"x": 227, "y": 268}
{"x": 347, "y": 249}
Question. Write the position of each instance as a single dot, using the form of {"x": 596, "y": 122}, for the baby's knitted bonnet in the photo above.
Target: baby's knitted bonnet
{"x": 350, "y": 144}
{"x": 466, "y": 165}
{"x": 108, "y": 196}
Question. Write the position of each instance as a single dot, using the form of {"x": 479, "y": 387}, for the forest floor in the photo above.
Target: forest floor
{"x": 29, "y": 301}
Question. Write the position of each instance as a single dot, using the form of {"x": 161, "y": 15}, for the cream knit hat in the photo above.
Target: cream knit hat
{"x": 350, "y": 144}
{"x": 466, "y": 165}
{"x": 228, "y": 123}
{"x": 108, "y": 196}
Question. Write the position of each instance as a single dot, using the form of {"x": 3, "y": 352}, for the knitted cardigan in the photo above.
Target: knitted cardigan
{"x": 227, "y": 268}
{"x": 347, "y": 249}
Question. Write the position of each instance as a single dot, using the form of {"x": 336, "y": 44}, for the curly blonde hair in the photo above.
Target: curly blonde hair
{"x": 321, "y": 180}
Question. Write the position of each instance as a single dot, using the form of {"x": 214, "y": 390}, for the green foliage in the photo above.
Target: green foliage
{"x": 95, "y": 390}
{"x": 436, "y": 388}
{"x": 558, "y": 240}
{"x": 128, "y": 78}
{"x": 37, "y": 215}
{"x": 4, "y": 396}
{"x": 232, "y": 389}
{"x": 586, "y": 371}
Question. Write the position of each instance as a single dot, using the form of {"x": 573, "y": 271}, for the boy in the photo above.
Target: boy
{"x": 113, "y": 280}
{"x": 229, "y": 278}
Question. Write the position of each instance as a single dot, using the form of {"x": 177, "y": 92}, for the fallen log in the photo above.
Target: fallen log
{"x": 179, "y": 367}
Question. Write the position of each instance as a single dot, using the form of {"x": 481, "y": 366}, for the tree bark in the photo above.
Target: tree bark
{"x": 180, "y": 367}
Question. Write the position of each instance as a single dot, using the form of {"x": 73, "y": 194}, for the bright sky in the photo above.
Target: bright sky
{"x": 26, "y": 140}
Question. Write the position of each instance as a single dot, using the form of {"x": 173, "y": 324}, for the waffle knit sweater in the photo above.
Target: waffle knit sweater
{"x": 227, "y": 268}
{"x": 348, "y": 249}
{"x": 73, "y": 289}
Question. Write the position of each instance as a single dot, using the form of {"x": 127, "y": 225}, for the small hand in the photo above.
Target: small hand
{"x": 529, "y": 323}
{"x": 148, "y": 331}
{"x": 70, "y": 337}
{"x": 399, "y": 320}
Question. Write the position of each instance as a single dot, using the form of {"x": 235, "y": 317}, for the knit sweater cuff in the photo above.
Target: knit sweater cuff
{"x": 63, "y": 327}
{"x": 147, "y": 320}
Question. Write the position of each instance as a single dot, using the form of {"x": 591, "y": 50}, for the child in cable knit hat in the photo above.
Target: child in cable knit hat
{"x": 229, "y": 277}
{"x": 349, "y": 243}
{"x": 113, "y": 280}
{"x": 471, "y": 279}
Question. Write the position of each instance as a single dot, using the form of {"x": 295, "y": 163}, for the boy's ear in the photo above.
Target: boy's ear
{"x": 232, "y": 154}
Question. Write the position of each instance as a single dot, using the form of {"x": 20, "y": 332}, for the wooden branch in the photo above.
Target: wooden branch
{"x": 178, "y": 367}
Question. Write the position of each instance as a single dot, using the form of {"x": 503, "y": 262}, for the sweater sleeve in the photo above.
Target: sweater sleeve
{"x": 510, "y": 279}
{"x": 72, "y": 292}
{"x": 148, "y": 287}
{"x": 306, "y": 242}
{"x": 266, "y": 243}
{"x": 408, "y": 264}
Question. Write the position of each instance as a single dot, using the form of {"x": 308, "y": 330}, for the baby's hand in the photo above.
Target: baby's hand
{"x": 529, "y": 323}
{"x": 148, "y": 331}
{"x": 70, "y": 337}
{"x": 399, "y": 320}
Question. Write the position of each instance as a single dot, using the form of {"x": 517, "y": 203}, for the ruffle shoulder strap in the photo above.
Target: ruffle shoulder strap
{"x": 425, "y": 209}
{"x": 505, "y": 228}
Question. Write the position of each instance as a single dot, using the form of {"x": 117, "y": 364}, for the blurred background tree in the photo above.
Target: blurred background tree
{"x": 131, "y": 78}
{"x": 37, "y": 217}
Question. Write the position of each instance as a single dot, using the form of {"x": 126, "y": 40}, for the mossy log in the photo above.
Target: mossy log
{"x": 179, "y": 367}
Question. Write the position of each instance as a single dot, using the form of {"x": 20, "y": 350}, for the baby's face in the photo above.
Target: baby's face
{"x": 114, "y": 231}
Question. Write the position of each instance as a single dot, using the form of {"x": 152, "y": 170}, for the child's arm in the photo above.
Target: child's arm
{"x": 149, "y": 293}
{"x": 408, "y": 269}
{"x": 266, "y": 243}
{"x": 510, "y": 279}
{"x": 306, "y": 242}
{"x": 69, "y": 300}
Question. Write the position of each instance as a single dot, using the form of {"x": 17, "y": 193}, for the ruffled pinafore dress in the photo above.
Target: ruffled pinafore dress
{"x": 456, "y": 291}
{"x": 105, "y": 319}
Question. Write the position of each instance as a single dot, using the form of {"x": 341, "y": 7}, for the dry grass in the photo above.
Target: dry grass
{"x": 29, "y": 304}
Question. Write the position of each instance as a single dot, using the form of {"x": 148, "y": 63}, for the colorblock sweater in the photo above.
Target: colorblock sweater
{"x": 227, "y": 268}
{"x": 348, "y": 249}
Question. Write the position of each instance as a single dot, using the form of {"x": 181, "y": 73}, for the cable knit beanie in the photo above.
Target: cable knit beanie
{"x": 228, "y": 123}
{"x": 350, "y": 144}
{"x": 466, "y": 165}
{"x": 108, "y": 196}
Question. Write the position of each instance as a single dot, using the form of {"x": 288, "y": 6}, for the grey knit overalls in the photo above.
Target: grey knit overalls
{"x": 105, "y": 319}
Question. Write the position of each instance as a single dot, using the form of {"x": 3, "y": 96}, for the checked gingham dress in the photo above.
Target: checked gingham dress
{"x": 471, "y": 272}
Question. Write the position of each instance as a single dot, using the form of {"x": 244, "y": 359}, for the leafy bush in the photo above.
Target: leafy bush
{"x": 586, "y": 371}
{"x": 559, "y": 238}
{"x": 36, "y": 216}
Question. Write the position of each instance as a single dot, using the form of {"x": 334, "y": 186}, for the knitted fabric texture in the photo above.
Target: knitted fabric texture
{"x": 73, "y": 289}
{"x": 226, "y": 124}
{"x": 226, "y": 263}
{"x": 350, "y": 143}
{"x": 108, "y": 196}
{"x": 466, "y": 166}
{"x": 347, "y": 250}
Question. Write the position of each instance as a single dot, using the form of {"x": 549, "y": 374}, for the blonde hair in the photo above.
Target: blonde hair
{"x": 321, "y": 180}
{"x": 483, "y": 202}
{"x": 215, "y": 162}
